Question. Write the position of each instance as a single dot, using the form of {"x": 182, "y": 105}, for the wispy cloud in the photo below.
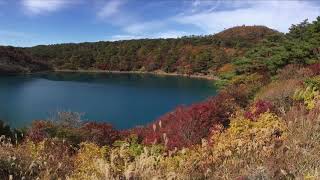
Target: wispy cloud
{"x": 119, "y": 37}
{"x": 170, "y": 34}
{"x": 36, "y": 7}
{"x": 169, "y": 19}
{"x": 166, "y": 34}
{"x": 208, "y": 17}
{"x": 199, "y": 5}
{"x": 114, "y": 12}
{"x": 142, "y": 27}
{"x": 275, "y": 14}
{"x": 110, "y": 8}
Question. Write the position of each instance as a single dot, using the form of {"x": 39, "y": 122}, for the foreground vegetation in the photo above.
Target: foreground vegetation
{"x": 263, "y": 124}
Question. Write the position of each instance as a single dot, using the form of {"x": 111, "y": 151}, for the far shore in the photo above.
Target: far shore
{"x": 161, "y": 73}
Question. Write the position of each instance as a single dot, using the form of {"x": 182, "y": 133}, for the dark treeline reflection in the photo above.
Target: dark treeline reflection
{"x": 124, "y": 100}
{"x": 131, "y": 79}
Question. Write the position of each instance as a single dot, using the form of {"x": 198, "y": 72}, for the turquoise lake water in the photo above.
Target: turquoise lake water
{"x": 124, "y": 100}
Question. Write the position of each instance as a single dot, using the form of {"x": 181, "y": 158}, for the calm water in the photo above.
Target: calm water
{"x": 125, "y": 100}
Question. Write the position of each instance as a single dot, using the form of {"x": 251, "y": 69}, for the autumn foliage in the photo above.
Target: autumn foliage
{"x": 263, "y": 124}
{"x": 258, "y": 108}
{"x": 99, "y": 133}
{"x": 186, "y": 126}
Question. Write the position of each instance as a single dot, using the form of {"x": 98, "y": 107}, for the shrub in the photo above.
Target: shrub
{"x": 243, "y": 148}
{"x": 294, "y": 71}
{"x": 38, "y": 131}
{"x": 46, "y": 160}
{"x": 126, "y": 160}
{"x": 133, "y": 147}
{"x": 245, "y": 136}
{"x": 227, "y": 68}
{"x": 100, "y": 133}
{"x": 54, "y": 157}
{"x": 68, "y": 127}
{"x": 299, "y": 154}
{"x": 308, "y": 95}
{"x": 63, "y": 125}
{"x": 313, "y": 82}
{"x": 16, "y": 162}
{"x": 15, "y": 135}
{"x": 221, "y": 83}
{"x": 67, "y": 119}
{"x": 5, "y": 129}
{"x": 258, "y": 108}
{"x": 186, "y": 126}
{"x": 86, "y": 162}
{"x": 315, "y": 68}
{"x": 279, "y": 93}
{"x": 242, "y": 88}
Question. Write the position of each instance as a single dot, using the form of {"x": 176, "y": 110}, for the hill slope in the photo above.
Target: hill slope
{"x": 186, "y": 55}
{"x": 244, "y": 35}
{"x": 14, "y": 60}
{"x": 263, "y": 124}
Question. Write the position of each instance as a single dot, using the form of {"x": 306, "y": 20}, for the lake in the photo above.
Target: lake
{"x": 124, "y": 100}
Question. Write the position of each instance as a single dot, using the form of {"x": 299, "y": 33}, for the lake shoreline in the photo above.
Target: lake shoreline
{"x": 159, "y": 73}
{"x": 123, "y": 100}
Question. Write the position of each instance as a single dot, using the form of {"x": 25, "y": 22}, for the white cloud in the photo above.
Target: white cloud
{"x": 114, "y": 13}
{"x": 110, "y": 8}
{"x": 171, "y": 34}
{"x": 165, "y": 35}
{"x": 35, "y": 7}
{"x": 209, "y": 17}
{"x": 143, "y": 27}
{"x": 274, "y": 14}
{"x": 198, "y": 5}
{"x": 119, "y": 37}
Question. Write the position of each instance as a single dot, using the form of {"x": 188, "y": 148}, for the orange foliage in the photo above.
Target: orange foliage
{"x": 226, "y": 68}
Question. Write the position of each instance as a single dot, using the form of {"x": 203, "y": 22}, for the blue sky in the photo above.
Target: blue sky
{"x": 34, "y": 22}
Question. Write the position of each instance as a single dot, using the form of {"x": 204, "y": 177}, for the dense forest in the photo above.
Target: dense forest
{"x": 186, "y": 55}
{"x": 264, "y": 123}
{"x": 14, "y": 60}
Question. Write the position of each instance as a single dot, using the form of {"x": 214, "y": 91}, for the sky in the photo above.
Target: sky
{"x": 26, "y": 23}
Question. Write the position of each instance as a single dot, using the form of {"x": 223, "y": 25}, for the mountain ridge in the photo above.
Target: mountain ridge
{"x": 185, "y": 55}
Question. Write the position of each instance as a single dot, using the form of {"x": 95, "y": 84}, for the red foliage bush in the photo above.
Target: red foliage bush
{"x": 258, "y": 108}
{"x": 315, "y": 68}
{"x": 100, "y": 133}
{"x": 37, "y": 132}
{"x": 186, "y": 126}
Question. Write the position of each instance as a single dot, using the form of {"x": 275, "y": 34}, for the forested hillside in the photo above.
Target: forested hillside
{"x": 186, "y": 55}
{"x": 264, "y": 123}
{"x": 14, "y": 60}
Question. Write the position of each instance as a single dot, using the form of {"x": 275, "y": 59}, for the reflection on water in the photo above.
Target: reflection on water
{"x": 125, "y": 100}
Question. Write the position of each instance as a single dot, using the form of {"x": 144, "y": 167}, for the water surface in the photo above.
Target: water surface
{"x": 124, "y": 100}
